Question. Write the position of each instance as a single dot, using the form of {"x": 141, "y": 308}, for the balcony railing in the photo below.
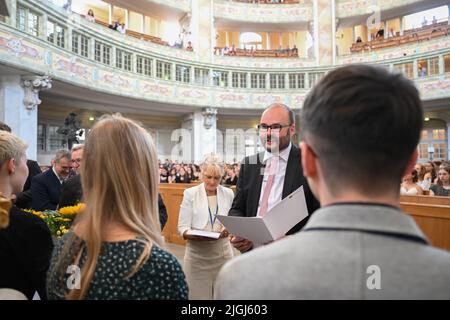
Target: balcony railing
{"x": 410, "y": 36}
{"x": 121, "y": 65}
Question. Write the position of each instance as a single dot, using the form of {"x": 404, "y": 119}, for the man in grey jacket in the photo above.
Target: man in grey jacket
{"x": 360, "y": 129}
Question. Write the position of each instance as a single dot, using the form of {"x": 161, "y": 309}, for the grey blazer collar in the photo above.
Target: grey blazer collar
{"x": 373, "y": 218}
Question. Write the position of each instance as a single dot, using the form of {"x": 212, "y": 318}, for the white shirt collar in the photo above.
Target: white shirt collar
{"x": 284, "y": 154}
{"x": 54, "y": 171}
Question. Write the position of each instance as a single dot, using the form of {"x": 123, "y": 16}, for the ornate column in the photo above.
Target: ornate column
{"x": 204, "y": 135}
{"x": 202, "y": 29}
{"x": 324, "y": 31}
{"x": 19, "y": 99}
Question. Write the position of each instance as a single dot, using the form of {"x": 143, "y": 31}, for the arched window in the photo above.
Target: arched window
{"x": 250, "y": 40}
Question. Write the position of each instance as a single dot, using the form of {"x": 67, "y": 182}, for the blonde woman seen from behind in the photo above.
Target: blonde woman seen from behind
{"x": 199, "y": 210}
{"x": 116, "y": 241}
{"x": 25, "y": 242}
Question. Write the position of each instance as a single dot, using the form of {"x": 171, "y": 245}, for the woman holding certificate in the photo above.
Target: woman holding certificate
{"x": 207, "y": 246}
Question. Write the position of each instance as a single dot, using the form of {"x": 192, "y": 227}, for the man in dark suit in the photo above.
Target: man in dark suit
{"x": 23, "y": 199}
{"x": 72, "y": 194}
{"x": 46, "y": 187}
{"x": 72, "y": 191}
{"x": 268, "y": 177}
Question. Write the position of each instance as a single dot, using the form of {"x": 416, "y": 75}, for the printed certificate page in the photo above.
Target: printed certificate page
{"x": 279, "y": 220}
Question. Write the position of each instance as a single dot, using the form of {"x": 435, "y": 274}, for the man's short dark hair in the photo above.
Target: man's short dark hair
{"x": 364, "y": 123}
{"x": 4, "y": 127}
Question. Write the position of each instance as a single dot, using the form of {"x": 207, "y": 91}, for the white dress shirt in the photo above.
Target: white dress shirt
{"x": 276, "y": 192}
{"x": 56, "y": 174}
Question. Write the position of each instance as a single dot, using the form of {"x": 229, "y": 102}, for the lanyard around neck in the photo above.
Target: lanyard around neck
{"x": 215, "y": 216}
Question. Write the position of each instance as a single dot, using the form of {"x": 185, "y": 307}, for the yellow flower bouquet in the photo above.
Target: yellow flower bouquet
{"x": 59, "y": 221}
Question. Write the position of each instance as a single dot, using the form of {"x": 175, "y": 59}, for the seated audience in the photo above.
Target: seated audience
{"x": 232, "y": 51}
{"x": 114, "y": 25}
{"x": 409, "y": 186}
{"x": 116, "y": 241}
{"x": 189, "y": 173}
{"x": 172, "y": 175}
{"x": 25, "y": 240}
{"x": 121, "y": 28}
{"x": 380, "y": 33}
{"x": 424, "y": 181}
{"x": 225, "y": 51}
{"x": 182, "y": 176}
{"x": 90, "y": 16}
{"x": 434, "y": 21}
{"x": 442, "y": 186}
{"x": 359, "y": 245}
{"x": 424, "y": 22}
{"x": 196, "y": 172}
{"x": 46, "y": 187}
{"x": 189, "y": 46}
{"x": 201, "y": 204}
{"x": 163, "y": 176}
{"x": 231, "y": 177}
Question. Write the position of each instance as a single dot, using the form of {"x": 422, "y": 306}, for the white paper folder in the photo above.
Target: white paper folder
{"x": 279, "y": 220}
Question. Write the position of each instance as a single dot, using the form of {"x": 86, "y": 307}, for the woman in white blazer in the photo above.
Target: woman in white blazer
{"x": 201, "y": 205}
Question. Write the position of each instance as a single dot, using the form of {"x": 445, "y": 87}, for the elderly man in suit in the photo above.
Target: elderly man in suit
{"x": 360, "y": 123}
{"x": 46, "y": 187}
{"x": 258, "y": 190}
{"x": 72, "y": 190}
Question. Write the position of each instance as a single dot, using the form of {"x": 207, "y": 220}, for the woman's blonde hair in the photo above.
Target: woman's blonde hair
{"x": 213, "y": 161}
{"x": 11, "y": 147}
{"x": 120, "y": 183}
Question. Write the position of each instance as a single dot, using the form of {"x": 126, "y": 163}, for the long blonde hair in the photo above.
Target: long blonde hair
{"x": 119, "y": 176}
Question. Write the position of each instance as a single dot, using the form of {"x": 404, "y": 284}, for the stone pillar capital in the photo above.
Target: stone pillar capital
{"x": 32, "y": 85}
{"x": 208, "y": 116}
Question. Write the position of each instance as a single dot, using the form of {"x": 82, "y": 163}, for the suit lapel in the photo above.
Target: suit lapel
{"x": 54, "y": 178}
{"x": 291, "y": 169}
{"x": 256, "y": 183}
{"x": 203, "y": 197}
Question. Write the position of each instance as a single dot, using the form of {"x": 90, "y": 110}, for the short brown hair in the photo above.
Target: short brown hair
{"x": 363, "y": 120}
